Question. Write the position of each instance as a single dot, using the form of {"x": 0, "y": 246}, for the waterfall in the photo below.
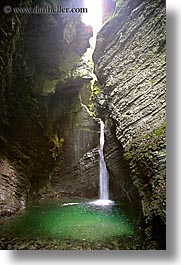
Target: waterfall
{"x": 103, "y": 173}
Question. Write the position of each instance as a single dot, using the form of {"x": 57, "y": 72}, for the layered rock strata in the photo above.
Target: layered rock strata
{"x": 130, "y": 66}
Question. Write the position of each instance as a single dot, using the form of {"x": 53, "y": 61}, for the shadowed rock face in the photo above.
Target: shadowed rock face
{"x": 120, "y": 181}
{"x": 79, "y": 134}
{"x": 14, "y": 185}
{"x": 38, "y": 52}
{"x": 130, "y": 66}
{"x": 54, "y": 45}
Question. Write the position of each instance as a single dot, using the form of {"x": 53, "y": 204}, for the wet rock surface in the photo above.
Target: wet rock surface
{"x": 38, "y": 52}
{"x": 24, "y": 244}
{"x": 130, "y": 66}
{"x": 120, "y": 181}
{"x": 78, "y": 133}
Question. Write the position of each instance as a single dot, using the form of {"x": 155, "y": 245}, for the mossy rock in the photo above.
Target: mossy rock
{"x": 146, "y": 156}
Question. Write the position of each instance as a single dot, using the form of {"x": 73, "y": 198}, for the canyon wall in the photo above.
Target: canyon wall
{"x": 75, "y": 172}
{"x": 39, "y": 55}
{"x": 130, "y": 65}
{"x": 49, "y": 139}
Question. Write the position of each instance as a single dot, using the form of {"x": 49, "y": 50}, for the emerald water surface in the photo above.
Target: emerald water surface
{"x": 73, "y": 221}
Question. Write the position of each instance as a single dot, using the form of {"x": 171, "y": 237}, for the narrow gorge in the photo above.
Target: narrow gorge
{"x": 60, "y": 77}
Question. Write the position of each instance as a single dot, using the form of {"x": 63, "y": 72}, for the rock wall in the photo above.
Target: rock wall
{"x": 130, "y": 66}
{"x": 37, "y": 53}
{"x": 121, "y": 184}
{"x": 14, "y": 185}
{"x": 9, "y": 31}
{"x": 79, "y": 135}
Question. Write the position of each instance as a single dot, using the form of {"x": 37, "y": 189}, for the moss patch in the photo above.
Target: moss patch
{"x": 147, "y": 160}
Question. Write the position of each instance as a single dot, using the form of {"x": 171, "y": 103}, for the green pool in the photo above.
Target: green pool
{"x": 72, "y": 224}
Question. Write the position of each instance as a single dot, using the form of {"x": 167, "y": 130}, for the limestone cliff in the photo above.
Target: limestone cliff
{"x": 75, "y": 172}
{"x": 39, "y": 55}
{"x": 130, "y": 66}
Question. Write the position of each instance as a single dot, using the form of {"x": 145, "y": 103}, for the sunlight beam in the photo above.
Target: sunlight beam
{"x": 94, "y": 15}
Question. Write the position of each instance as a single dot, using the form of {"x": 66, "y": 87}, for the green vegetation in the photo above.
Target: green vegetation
{"x": 146, "y": 142}
{"x": 117, "y": 8}
{"x": 57, "y": 144}
{"x": 119, "y": 2}
{"x": 147, "y": 161}
{"x": 48, "y": 86}
{"x": 160, "y": 130}
{"x": 95, "y": 90}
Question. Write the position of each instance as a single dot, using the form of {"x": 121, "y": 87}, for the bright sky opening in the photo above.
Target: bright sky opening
{"x": 94, "y": 15}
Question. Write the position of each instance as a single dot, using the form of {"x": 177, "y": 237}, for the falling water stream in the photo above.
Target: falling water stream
{"x": 103, "y": 173}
